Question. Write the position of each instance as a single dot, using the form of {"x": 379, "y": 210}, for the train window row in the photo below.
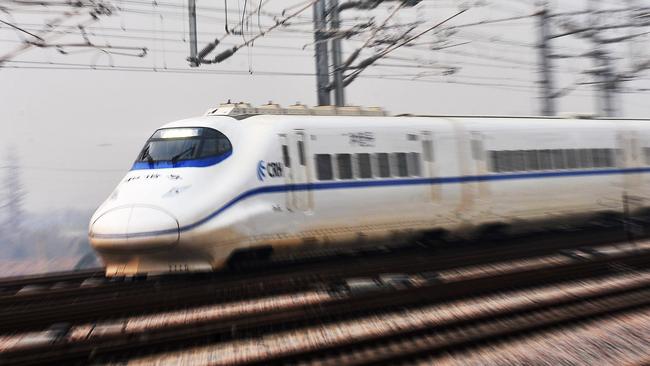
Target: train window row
{"x": 366, "y": 165}
{"x": 551, "y": 159}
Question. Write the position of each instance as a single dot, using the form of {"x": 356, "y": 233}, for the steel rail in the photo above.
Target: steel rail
{"x": 106, "y": 349}
{"x": 48, "y": 278}
{"x": 155, "y": 297}
{"x": 447, "y": 336}
{"x": 494, "y": 330}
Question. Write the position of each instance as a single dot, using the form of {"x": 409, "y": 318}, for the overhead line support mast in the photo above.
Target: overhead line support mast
{"x": 337, "y": 54}
{"x": 321, "y": 53}
{"x": 546, "y": 82}
{"x": 191, "y": 8}
{"x": 603, "y": 70}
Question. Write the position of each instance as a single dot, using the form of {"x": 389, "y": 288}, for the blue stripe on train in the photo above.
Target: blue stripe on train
{"x": 384, "y": 183}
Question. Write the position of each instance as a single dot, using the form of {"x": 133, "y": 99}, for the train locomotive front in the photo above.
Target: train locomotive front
{"x": 153, "y": 222}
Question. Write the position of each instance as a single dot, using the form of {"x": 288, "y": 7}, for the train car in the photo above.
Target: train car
{"x": 243, "y": 180}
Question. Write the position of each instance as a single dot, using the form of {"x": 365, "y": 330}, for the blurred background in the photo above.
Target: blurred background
{"x": 83, "y": 83}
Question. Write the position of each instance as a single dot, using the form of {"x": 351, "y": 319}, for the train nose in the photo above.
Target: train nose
{"x": 134, "y": 227}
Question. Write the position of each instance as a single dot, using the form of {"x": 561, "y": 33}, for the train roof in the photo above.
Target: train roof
{"x": 243, "y": 111}
{"x": 231, "y": 117}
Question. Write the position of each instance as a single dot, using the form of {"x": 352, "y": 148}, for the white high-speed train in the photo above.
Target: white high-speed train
{"x": 245, "y": 180}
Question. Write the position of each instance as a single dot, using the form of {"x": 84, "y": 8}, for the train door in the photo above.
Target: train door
{"x": 288, "y": 172}
{"x": 429, "y": 163}
{"x": 474, "y": 193}
{"x": 479, "y": 162}
{"x": 294, "y": 151}
{"x": 630, "y": 157}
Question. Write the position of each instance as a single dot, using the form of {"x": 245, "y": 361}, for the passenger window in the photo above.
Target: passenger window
{"x": 558, "y": 159}
{"x": 494, "y": 161}
{"x": 571, "y": 157}
{"x": 609, "y": 157}
{"x": 646, "y": 153}
{"x": 596, "y": 158}
{"x": 532, "y": 162}
{"x": 601, "y": 157}
{"x": 364, "y": 169}
{"x": 401, "y": 164}
{"x": 498, "y": 161}
{"x": 324, "y": 167}
{"x": 545, "y": 160}
{"x": 518, "y": 160}
{"x": 344, "y": 162}
{"x": 585, "y": 158}
{"x": 383, "y": 166}
{"x": 301, "y": 152}
{"x": 285, "y": 155}
{"x": 414, "y": 164}
{"x": 505, "y": 161}
{"x": 535, "y": 160}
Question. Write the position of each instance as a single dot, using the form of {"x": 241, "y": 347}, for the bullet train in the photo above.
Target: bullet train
{"x": 242, "y": 180}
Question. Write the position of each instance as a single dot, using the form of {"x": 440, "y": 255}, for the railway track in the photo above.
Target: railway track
{"x": 51, "y": 286}
{"x": 491, "y": 324}
{"x": 471, "y": 331}
{"x": 114, "y": 300}
{"x": 610, "y": 340}
{"x": 354, "y": 308}
{"x": 10, "y": 286}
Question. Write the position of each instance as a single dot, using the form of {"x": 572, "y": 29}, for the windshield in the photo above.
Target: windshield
{"x": 176, "y": 145}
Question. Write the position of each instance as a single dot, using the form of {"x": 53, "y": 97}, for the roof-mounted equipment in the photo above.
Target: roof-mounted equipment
{"x": 243, "y": 110}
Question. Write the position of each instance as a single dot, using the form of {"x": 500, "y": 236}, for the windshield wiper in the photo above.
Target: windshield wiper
{"x": 178, "y": 156}
{"x": 147, "y": 156}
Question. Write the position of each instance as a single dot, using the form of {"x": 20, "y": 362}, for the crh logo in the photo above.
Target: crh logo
{"x": 273, "y": 169}
{"x": 261, "y": 170}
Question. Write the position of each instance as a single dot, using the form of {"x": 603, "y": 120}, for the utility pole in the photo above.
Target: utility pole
{"x": 337, "y": 54}
{"x": 603, "y": 71}
{"x": 546, "y": 82}
{"x": 194, "y": 61}
{"x": 321, "y": 55}
{"x": 607, "y": 84}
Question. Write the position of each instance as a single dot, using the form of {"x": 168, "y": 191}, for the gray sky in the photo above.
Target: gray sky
{"x": 78, "y": 131}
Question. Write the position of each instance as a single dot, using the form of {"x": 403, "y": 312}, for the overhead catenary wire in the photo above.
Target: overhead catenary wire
{"x": 369, "y": 61}
{"x": 211, "y": 46}
{"x": 22, "y": 30}
{"x": 489, "y": 54}
{"x": 481, "y": 56}
{"x": 464, "y": 54}
{"x": 353, "y": 56}
{"x": 227, "y": 53}
{"x": 46, "y": 34}
{"x": 81, "y": 67}
{"x": 410, "y": 62}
